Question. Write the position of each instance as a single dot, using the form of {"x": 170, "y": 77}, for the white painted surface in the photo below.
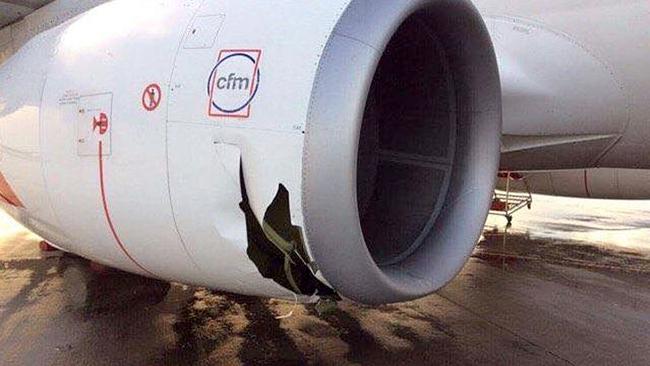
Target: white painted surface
{"x": 551, "y": 53}
{"x": 600, "y": 183}
{"x": 172, "y": 188}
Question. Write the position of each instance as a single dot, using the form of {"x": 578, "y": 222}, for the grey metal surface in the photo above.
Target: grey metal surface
{"x": 332, "y": 142}
{"x": 13, "y": 10}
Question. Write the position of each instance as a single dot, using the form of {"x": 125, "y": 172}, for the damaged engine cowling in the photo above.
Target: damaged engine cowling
{"x": 401, "y": 149}
{"x": 340, "y": 147}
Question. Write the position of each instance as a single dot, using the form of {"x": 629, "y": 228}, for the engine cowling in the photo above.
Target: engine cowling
{"x": 401, "y": 148}
{"x": 348, "y": 146}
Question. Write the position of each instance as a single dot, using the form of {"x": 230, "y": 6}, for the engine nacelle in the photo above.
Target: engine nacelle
{"x": 265, "y": 148}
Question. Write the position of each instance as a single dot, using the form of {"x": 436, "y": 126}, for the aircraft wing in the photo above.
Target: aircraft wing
{"x": 21, "y": 20}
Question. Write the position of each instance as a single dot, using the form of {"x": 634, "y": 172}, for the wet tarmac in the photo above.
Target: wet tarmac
{"x": 544, "y": 294}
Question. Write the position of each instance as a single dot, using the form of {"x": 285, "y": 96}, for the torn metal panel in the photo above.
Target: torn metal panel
{"x": 277, "y": 247}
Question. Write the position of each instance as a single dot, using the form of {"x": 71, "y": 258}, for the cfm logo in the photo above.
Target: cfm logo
{"x": 233, "y": 83}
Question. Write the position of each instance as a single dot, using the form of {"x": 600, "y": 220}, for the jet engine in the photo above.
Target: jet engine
{"x": 341, "y": 147}
{"x": 401, "y": 148}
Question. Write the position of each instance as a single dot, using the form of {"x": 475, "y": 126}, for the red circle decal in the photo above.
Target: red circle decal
{"x": 151, "y": 97}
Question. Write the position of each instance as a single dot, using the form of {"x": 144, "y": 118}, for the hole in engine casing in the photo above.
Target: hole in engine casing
{"x": 407, "y": 143}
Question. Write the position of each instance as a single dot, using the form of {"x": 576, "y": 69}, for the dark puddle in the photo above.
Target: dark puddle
{"x": 209, "y": 320}
{"x": 200, "y": 328}
{"x": 362, "y": 345}
{"x": 39, "y": 274}
{"x": 93, "y": 293}
{"x": 365, "y": 348}
{"x": 266, "y": 343}
{"x": 515, "y": 249}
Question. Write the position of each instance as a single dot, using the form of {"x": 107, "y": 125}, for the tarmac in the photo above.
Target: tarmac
{"x": 521, "y": 300}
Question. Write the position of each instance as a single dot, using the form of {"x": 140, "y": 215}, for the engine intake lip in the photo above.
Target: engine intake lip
{"x": 343, "y": 82}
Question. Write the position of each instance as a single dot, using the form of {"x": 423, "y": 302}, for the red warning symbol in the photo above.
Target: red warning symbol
{"x": 151, "y": 97}
{"x": 101, "y": 123}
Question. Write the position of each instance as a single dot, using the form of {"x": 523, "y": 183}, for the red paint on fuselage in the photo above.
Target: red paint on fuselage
{"x": 7, "y": 193}
{"x": 108, "y": 215}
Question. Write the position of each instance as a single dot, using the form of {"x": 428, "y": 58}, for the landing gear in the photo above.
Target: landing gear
{"x": 93, "y": 288}
{"x": 49, "y": 251}
{"x": 46, "y": 247}
{"x": 99, "y": 269}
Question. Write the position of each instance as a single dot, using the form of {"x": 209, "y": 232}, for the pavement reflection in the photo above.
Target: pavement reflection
{"x": 542, "y": 294}
{"x": 611, "y": 224}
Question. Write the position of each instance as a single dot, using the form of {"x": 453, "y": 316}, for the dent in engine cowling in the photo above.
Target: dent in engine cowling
{"x": 277, "y": 247}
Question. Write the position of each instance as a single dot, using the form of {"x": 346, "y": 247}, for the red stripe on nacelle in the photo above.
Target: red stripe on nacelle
{"x": 108, "y": 215}
{"x": 7, "y": 193}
